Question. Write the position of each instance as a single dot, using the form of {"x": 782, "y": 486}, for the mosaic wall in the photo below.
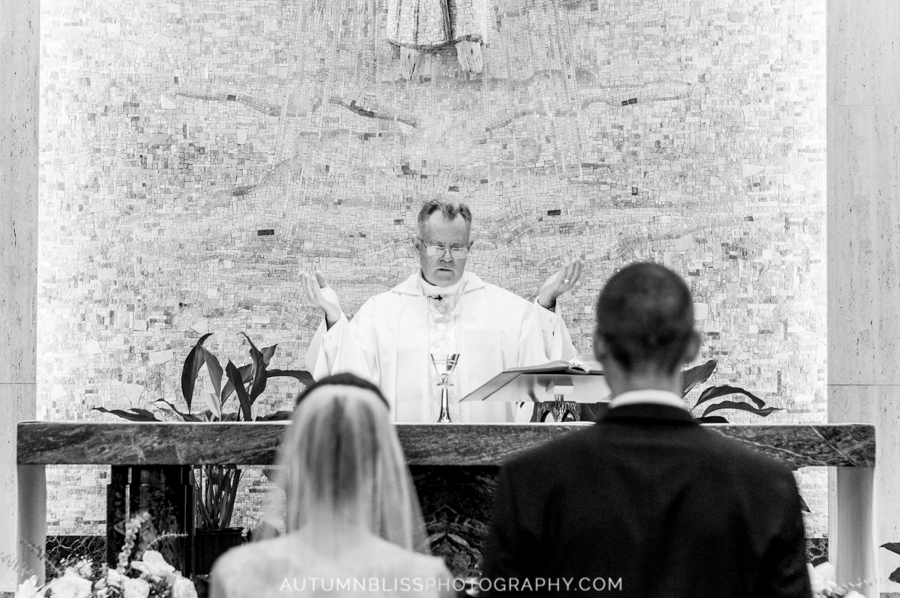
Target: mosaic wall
{"x": 197, "y": 155}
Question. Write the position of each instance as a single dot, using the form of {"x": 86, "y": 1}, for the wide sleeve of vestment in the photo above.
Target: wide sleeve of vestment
{"x": 555, "y": 334}
{"x": 348, "y": 346}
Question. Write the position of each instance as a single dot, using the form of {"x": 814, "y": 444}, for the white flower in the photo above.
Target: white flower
{"x": 136, "y": 588}
{"x": 83, "y": 568}
{"x": 70, "y": 585}
{"x": 29, "y": 589}
{"x": 183, "y": 588}
{"x": 153, "y": 564}
{"x": 821, "y": 578}
{"x": 114, "y": 578}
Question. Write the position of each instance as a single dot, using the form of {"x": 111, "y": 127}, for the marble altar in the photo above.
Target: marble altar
{"x": 454, "y": 466}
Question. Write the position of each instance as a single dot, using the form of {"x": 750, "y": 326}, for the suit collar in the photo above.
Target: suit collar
{"x": 648, "y": 411}
{"x": 410, "y": 286}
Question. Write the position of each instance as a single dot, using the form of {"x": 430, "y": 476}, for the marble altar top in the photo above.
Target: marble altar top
{"x": 256, "y": 443}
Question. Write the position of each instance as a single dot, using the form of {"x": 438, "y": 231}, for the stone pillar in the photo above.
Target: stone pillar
{"x": 864, "y": 243}
{"x": 19, "y": 99}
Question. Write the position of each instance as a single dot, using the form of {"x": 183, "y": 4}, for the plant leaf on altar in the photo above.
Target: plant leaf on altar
{"x": 268, "y": 353}
{"x": 212, "y": 401}
{"x": 696, "y": 375}
{"x": 714, "y": 392}
{"x": 742, "y": 406}
{"x": 246, "y": 372}
{"x": 214, "y": 368}
{"x": 185, "y": 416}
{"x": 192, "y": 364}
{"x": 895, "y": 576}
{"x": 134, "y": 414}
{"x": 235, "y": 377}
{"x": 892, "y": 546}
{"x": 301, "y": 375}
{"x": 259, "y": 382}
{"x": 256, "y": 355}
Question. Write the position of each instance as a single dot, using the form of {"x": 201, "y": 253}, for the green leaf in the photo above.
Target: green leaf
{"x": 259, "y": 384}
{"x": 255, "y": 354}
{"x": 714, "y": 392}
{"x": 740, "y": 406}
{"x": 235, "y": 377}
{"x": 185, "y": 416}
{"x": 260, "y": 364}
{"x": 893, "y": 547}
{"x": 212, "y": 401}
{"x": 696, "y": 375}
{"x": 214, "y": 368}
{"x": 231, "y": 488}
{"x": 246, "y": 371}
{"x": 275, "y": 417}
{"x": 268, "y": 353}
{"x": 133, "y": 414}
{"x": 192, "y": 365}
{"x": 301, "y": 375}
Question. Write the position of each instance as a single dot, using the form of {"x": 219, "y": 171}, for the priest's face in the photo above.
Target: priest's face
{"x": 442, "y": 268}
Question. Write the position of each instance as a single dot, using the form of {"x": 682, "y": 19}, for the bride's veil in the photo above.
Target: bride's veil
{"x": 343, "y": 471}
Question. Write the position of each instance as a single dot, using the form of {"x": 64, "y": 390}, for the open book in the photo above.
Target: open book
{"x": 576, "y": 367}
{"x": 578, "y": 381}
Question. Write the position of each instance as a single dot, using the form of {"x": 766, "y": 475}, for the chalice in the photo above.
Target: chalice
{"x": 444, "y": 365}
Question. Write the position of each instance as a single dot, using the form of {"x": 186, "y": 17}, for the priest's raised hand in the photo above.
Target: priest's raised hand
{"x": 561, "y": 282}
{"x": 322, "y": 296}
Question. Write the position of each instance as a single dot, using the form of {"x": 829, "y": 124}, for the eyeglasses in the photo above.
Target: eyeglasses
{"x": 439, "y": 250}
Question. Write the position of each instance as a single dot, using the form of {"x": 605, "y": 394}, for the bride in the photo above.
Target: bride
{"x": 354, "y": 527}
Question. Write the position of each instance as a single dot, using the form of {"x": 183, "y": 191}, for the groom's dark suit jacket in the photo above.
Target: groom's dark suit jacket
{"x": 654, "y": 506}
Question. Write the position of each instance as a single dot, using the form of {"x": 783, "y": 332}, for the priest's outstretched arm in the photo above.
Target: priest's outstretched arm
{"x": 356, "y": 354}
{"x": 557, "y": 342}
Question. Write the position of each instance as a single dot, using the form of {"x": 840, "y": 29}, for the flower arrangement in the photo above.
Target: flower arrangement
{"x": 149, "y": 577}
{"x": 821, "y": 578}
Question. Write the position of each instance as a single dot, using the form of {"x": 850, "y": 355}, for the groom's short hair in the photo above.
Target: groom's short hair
{"x": 645, "y": 316}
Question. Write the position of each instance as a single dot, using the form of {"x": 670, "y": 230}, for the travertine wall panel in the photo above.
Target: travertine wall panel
{"x": 864, "y": 239}
{"x": 864, "y": 245}
{"x": 197, "y": 155}
{"x": 19, "y": 53}
{"x": 862, "y": 53}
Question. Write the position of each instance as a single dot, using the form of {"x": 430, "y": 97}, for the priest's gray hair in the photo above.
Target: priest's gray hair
{"x": 450, "y": 209}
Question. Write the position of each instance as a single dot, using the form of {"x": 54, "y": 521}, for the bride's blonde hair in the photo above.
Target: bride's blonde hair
{"x": 343, "y": 467}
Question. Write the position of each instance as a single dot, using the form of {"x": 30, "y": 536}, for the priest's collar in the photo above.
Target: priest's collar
{"x": 430, "y": 290}
{"x": 416, "y": 285}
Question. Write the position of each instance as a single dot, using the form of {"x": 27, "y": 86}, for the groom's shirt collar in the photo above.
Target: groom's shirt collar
{"x": 648, "y": 397}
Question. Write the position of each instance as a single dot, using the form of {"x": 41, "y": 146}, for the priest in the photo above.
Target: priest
{"x": 440, "y": 309}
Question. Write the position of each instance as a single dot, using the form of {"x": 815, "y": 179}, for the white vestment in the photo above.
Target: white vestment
{"x": 387, "y": 342}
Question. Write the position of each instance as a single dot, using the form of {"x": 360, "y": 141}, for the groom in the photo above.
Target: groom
{"x": 647, "y": 503}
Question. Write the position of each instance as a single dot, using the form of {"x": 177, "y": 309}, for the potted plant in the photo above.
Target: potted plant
{"x": 216, "y": 485}
{"x": 701, "y": 373}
